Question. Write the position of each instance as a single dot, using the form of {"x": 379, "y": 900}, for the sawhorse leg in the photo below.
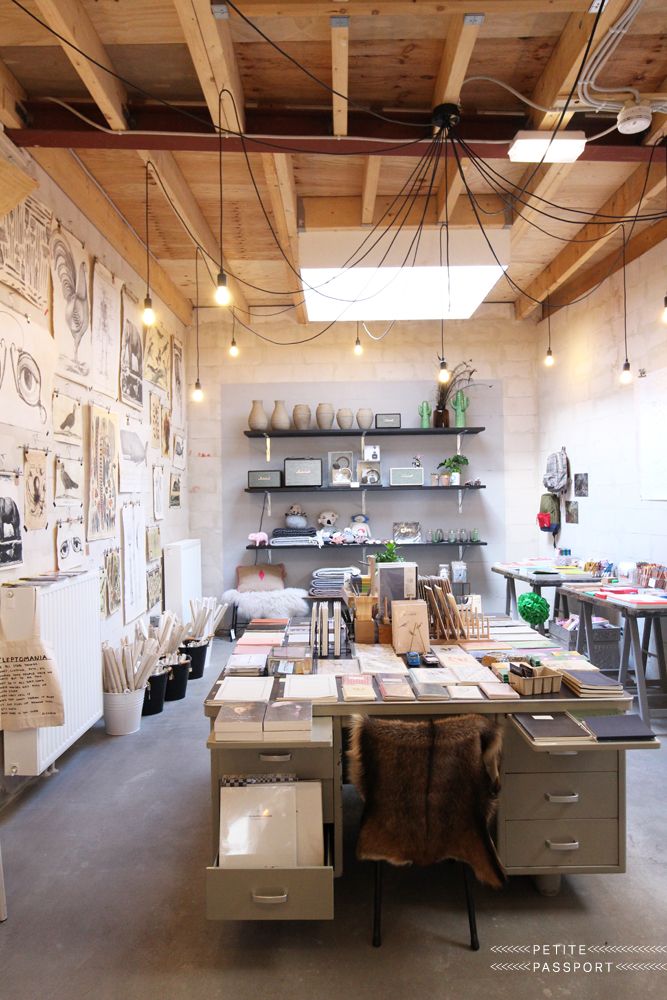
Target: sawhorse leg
{"x": 536, "y": 588}
{"x": 633, "y": 628}
{"x": 587, "y": 615}
{"x": 660, "y": 651}
{"x": 510, "y": 596}
{"x": 625, "y": 655}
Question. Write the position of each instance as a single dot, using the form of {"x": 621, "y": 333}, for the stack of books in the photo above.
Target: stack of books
{"x": 426, "y": 688}
{"x": 554, "y": 727}
{"x": 287, "y": 721}
{"x": 358, "y": 687}
{"x": 246, "y": 665}
{"x": 239, "y": 722}
{"x": 259, "y": 722}
{"x": 393, "y": 687}
{"x": 590, "y": 683}
{"x": 310, "y": 687}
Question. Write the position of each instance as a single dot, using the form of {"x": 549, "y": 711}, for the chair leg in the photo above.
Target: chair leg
{"x": 470, "y": 902}
{"x": 377, "y": 906}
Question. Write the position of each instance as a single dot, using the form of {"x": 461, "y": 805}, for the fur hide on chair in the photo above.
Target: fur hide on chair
{"x": 430, "y": 788}
{"x": 286, "y": 603}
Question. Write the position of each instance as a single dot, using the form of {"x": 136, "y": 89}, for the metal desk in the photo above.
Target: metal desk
{"x": 631, "y": 613}
{"x": 537, "y": 580}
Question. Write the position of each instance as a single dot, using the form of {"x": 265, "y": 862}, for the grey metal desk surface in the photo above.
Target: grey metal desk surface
{"x": 631, "y": 613}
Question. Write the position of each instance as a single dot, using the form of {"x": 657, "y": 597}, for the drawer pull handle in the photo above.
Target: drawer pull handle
{"x": 574, "y": 797}
{"x": 270, "y": 900}
{"x": 563, "y": 753}
{"x": 275, "y": 758}
{"x": 569, "y": 845}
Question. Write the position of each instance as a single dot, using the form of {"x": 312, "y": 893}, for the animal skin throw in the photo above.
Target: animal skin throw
{"x": 30, "y": 692}
{"x": 430, "y": 788}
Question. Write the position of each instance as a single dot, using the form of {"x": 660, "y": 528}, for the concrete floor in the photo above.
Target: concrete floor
{"x": 104, "y": 864}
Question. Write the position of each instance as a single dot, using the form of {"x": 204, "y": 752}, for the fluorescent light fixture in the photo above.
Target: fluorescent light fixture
{"x": 535, "y": 147}
{"x": 391, "y": 291}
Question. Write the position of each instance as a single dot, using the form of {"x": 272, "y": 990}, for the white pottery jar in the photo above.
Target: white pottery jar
{"x": 280, "y": 417}
{"x": 325, "y": 416}
{"x": 435, "y": 479}
{"x": 258, "y": 419}
{"x": 445, "y": 478}
{"x": 455, "y": 479}
{"x": 345, "y": 419}
{"x": 301, "y": 416}
{"x": 365, "y": 418}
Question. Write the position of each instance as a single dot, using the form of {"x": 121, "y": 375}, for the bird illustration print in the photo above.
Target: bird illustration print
{"x": 67, "y": 480}
{"x": 70, "y": 419}
{"x": 73, "y": 285}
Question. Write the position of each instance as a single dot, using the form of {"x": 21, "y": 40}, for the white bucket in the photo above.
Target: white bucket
{"x": 122, "y": 712}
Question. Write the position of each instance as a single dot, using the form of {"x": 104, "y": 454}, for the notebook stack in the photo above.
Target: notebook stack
{"x": 316, "y": 688}
{"x": 619, "y": 727}
{"x": 239, "y": 722}
{"x": 246, "y": 665}
{"x": 358, "y": 687}
{"x": 591, "y": 683}
{"x": 554, "y": 727}
{"x": 427, "y": 687}
{"x": 393, "y": 687}
{"x": 287, "y": 721}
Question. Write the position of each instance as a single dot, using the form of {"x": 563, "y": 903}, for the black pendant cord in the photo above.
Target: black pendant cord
{"x": 625, "y": 304}
{"x": 549, "y": 323}
{"x": 446, "y": 228}
{"x": 220, "y": 169}
{"x": 148, "y": 253}
{"x": 197, "y": 252}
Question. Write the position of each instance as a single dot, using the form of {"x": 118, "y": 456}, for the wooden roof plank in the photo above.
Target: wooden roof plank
{"x": 12, "y": 96}
{"x": 457, "y": 51}
{"x": 70, "y": 20}
{"x": 369, "y": 191}
{"x": 279, "y": 174}
{"x": 340, "y": 49}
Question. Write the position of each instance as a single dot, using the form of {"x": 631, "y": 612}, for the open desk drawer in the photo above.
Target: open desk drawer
{"x": 269, "y": 893}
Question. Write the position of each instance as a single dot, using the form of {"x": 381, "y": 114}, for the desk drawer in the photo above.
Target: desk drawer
{"x": 269, "y": 893}
{"x": 518, "y": 757}
{"x": 560, "y": 795}
{"x": 561, "y": 843}
{"x": 266, "y": 759}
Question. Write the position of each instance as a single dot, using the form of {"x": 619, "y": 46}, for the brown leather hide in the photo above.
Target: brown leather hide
{"x": 430, "y": 788}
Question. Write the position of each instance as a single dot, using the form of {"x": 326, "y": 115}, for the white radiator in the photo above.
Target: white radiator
{"x": 69, "y": 615}
{"x": 182, "y": 576}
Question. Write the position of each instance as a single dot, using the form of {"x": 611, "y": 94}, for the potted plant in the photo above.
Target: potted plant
{"x": 389, "y": 554}
{"x": 459, "y": 378}
{"x": 453, "y": 466}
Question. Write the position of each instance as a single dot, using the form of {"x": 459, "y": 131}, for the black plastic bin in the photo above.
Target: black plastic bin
{"x": 156, "y": 689}
{"x": 177, "y": 680}
{"x": 197, "y": 652}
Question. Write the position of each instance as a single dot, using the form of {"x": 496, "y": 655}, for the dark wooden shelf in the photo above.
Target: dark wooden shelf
{"x": 346, "y": 490}
{"x": 362, "y": 545}
{"x": 374, "y": 431}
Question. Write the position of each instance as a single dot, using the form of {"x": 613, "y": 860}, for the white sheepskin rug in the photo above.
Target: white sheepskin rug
{"x": 287, "y": 603}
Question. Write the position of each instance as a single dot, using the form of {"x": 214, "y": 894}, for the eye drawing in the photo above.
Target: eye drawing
{"x": 28, "y": 379}
{"x": 77, "y": 544}
{"x": 64, "y": 549}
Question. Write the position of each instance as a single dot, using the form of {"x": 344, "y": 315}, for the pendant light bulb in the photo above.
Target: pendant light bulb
{"x": 549, "y": 359}
{"x": 444, "y": 373}
{"x": 197, "y": 392}
{"x": 233, "y": 348}
{"x": 626, "y": 375}
{"x": 664, "y": 312}
{"x": 358, "y": 349}
{"x": 222, "y": 293}
{"x": 148, "y": 315}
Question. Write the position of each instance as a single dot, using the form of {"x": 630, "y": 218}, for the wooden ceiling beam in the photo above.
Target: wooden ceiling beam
{"x": 279, "y": 174}
{"x": 543, "y": 184}
{"x": 211, "y": 48}
{"x": 658, "y": 129}
{"x": 561, "y": 70}
{"x": 67, "y": 171}
{"x": 388, "y": 8}
{"x": 189, "y": 213}
{"x": 340, "y": 38}
{"x": 370, "y": 189}
{"x": 15, "y": 184}
{"x": 623, "y": 202}
{"x": 451, "y": 188}
{"x": 12, "y": 96}
{"x": 613, "y": 262}
{"x": 457, "y": 50}
{"x": 70, "y": 20}
{"x": 346, "y": 213}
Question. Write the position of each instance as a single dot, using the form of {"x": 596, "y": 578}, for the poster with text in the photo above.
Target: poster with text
{"x": 71, "y": 315}
{"x": 27, "y": 362}
{"x": 106, "y": 330}
{"x": 134, "y": 561}
{"x": 131, "y": 354}
{"x": 24, "y": 251}
{"x": 34, "y": 500}
{"x": 103, "y": 477}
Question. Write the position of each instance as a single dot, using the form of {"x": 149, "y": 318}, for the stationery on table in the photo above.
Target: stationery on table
{"x": 239, "y": 721}
{"x": 339, "y": 668}
{"x": 554, "y": 727}
{"x": 590, "y": 682}
{"x": 284, "y": 715}
{"x": 246, "y": 664}
{"x": 428, "y": 691}
{"x": 245, "y": 689}
{"x": 377, "y": 659}
{"x": 464, "y": 692}
{"x": 263, "y": 638}
{"x": 618, "y": 727}
{"x": 393, "y": 688}
{"x": 498, "y": 691}
{"x": 310, "y": 687}
{"x": 358, "y": 687}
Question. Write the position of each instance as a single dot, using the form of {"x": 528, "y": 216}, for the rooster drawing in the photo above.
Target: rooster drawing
{"x": 67, "y": 480}
{"x": 74, "y": 288}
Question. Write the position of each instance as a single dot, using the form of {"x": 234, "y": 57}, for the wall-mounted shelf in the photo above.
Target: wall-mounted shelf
{"x": 347, "y": 490}
{"x": 374, "y": 431}
{"x": 363, "y": 545}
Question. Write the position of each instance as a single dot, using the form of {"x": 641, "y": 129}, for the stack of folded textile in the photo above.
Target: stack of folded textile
{"x": 330, "y": 579}
{"x": 294, "y": 536}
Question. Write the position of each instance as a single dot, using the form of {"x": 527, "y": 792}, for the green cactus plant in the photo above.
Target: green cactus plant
{"x": 459, "y": 406}
{"x": 425, "y": 411}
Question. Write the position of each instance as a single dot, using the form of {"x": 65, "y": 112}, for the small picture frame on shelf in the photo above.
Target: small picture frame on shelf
{"x": 371, "y": 452}
{"x": 341, "y": 464}
{"x": 407, "y": 532}
{"x": 369, "y": 474}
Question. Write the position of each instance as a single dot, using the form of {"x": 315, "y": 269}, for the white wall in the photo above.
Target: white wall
{"x": 503, "y": 352}
{"x": 583, "y": 406}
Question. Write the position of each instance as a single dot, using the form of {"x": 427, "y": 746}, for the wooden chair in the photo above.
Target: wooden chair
{"x": 429, "y": 788}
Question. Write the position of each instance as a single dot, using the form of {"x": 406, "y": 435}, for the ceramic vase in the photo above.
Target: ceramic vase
{"x": 345, "y": 419}
{"x": 324, "y": 415}
{"x": 445, "y": 478}
{"x": 257, "y": 418}
{"x": 280, "y": 417}
{"x": 455, "y": 479}
{"x": 441, "y": 418}
{"x": 301, "y": 416}
{"x": 365, "y": 418}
